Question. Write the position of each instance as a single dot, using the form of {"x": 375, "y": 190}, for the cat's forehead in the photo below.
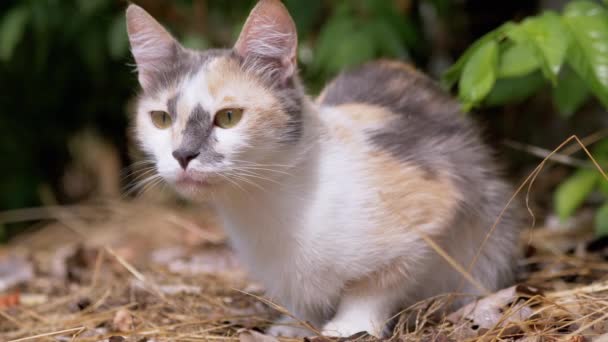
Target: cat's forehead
{"x": 186, "y": 65}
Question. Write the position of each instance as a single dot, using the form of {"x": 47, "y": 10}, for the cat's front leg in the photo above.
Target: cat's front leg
{"x": 289, "y": 327}
{"x": 363, "y": 309}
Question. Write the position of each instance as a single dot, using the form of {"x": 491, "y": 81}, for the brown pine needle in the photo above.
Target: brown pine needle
{"x": 53, "y": 333}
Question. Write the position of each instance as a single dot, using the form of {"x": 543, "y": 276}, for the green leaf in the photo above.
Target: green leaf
{"x": 548, "y": 38}
{"x": 118, "y": 41}
{"x": 12, "y": 28}
{"x": 571, "y": 194}
{"x": 588, "y": 53}
{"x": 451, "y": 76}
{"x": 517, "y": 60}
{"x": 478, "y": 75}
{"x": 601, "y": 220}
{"x": 600, "y": 153}
{"x": 603, "y": 186}
{"x": 514, "y": 89}
{"x": 571, "y": 93}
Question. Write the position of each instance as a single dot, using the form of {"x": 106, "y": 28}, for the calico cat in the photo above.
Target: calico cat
{"x": 330, "y": 203}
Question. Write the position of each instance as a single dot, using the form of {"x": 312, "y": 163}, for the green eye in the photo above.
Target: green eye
{"x": 160, "y": 119}
{"x": 228, "y": 118}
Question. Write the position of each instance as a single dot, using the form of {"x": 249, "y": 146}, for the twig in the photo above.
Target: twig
{"x": 544, "y": 153}
{"x": 280, "y": 309}
{"x": 593, "y": 288}
{"x": 79, "y": 329}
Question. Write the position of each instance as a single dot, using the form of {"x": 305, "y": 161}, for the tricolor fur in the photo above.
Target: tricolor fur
{"x": 325, "y": 201}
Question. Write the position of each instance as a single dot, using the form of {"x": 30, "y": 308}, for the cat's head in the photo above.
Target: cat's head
{"x": 210, "y": 118}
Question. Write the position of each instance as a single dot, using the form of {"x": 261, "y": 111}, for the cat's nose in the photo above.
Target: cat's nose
{"x": 184, "y": 156}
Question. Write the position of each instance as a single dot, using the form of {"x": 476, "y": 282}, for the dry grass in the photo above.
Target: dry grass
{"x": 148, "y": 272}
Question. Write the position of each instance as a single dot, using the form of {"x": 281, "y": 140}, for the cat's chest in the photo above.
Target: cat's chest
{"x": 280, "y": 250}
{"x": 286, "y": 239}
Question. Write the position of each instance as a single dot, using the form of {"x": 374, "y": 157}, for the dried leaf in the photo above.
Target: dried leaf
{"x": 9, "y": 300}
{"x": 496, "y": 310}
{"x": 123, "y": 321}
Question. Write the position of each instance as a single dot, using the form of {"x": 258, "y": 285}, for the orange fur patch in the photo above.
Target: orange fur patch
{"x": 398, "y": 65}
{"x": 366, "y": 114}
{"x": 407, "y": 197}
{"x": 411, "y": 193}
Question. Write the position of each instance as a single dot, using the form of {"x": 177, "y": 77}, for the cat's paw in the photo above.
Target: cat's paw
{"x": 288, "y": 328}
{"x": 343, "y": 329}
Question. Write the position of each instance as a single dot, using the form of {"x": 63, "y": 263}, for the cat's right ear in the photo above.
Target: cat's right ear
{"x": 152, "y": 46}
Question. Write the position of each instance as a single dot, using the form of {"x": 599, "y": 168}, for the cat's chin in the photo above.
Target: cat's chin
{"x": 193, "y": 187}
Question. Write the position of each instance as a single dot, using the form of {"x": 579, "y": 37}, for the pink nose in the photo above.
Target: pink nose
{"x": 184, "y": 156}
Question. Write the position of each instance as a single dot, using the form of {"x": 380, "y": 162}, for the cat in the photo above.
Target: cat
{"x": 334, "y": 203}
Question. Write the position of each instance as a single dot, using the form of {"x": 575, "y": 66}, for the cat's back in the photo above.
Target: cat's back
{"x": 400, "y": 110}
{"x": 392, "y": 85}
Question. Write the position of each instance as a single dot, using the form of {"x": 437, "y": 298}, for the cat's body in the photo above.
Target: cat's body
{"x": 331, "y": 203}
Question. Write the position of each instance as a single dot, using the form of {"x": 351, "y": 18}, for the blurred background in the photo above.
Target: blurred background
{"x": 67, "y": 85}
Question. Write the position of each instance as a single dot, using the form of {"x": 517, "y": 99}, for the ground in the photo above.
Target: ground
{"x": 131, "y": 270}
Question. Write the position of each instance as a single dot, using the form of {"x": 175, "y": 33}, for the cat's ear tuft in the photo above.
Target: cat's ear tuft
{"x": 152, "y": 46}
{"x": 269, "y": 39}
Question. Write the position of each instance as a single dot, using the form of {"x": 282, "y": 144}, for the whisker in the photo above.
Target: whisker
{"x": 234, "y": 183}
{"x": 142, "y": 184}
{"x": 260, "y": 169}
{"x": 151, "y": 186}
{"x": 243, "y": 179}
{"x": 255, "y": 175}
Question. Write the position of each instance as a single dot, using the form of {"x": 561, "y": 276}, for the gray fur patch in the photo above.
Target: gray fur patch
{"x": 198, "y": 137}
{"x": 184, "y": 63}
{"x": 290, "y": 97}
{"x": 172, "y": 106}
{"x": 427, "y": 118}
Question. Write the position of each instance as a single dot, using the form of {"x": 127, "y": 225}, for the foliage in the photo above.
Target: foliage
{"x": 572, "y": 193}
{"x": 569, "y": 51}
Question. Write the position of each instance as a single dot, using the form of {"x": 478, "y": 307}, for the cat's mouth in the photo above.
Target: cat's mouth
{"x": 187, "y": 179}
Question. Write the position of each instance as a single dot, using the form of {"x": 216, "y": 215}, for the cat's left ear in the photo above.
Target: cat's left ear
{"x": 269, "y": 39}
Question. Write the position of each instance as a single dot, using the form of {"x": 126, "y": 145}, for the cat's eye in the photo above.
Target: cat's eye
{"x": 228, "y": 118}
{"x": 160, "y": 119}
